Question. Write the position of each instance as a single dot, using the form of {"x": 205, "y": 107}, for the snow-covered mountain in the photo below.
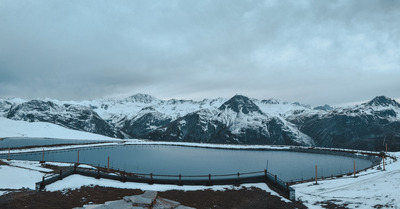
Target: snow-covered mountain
{"x": 75, "y": 117}
{"x": 370, "y": 125}
{"x": 238, "y": 120}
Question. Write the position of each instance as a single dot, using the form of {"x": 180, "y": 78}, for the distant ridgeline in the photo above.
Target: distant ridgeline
{"x": 238, "y": 120}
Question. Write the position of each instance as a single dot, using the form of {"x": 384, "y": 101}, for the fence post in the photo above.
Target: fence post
{"x": 60, "y": 175}
{"x": 98, "y": 173}
{"x": 42, "y": 157}
{"x": 108, "y": 164}
{"x": 123, "y": 179}
{"x": 275, "y": 179}
{"x": 180, "y": 180}
{"x": 42, "y": 184}
{"x": 354, "y": 168}
{"x": 383, "y": 157}
{"x": 316, "y": 175}
{"x": 238, "y": 180}
{"x": 151, "y": 178}
{"x": 78, "y": 157}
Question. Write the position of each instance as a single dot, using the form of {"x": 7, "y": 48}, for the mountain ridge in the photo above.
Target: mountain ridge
{"x": 238, "y": 120}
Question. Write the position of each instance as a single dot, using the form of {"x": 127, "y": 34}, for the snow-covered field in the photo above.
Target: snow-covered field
{"x": 371, "y": 189}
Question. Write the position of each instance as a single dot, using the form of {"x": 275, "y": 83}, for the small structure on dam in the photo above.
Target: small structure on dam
{"x": 147, "y": 200}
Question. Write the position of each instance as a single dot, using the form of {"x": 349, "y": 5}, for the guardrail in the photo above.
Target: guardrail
{"x": 207, "y": 180}
{"x": 342, "y": 150}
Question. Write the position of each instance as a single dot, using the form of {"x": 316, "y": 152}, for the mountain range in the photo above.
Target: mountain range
{"x": 238, "y": 120}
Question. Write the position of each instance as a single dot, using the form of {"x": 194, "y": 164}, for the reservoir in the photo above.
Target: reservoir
{"x": 191, "y": 161}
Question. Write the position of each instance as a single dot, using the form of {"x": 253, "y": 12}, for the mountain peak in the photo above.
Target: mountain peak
{"x": 383, "y": 101}
{"x": 142, "y": 98}
{"x": 270, "y": 101}
{"x": 324, "y": 107}
{"x": 240, "y": 103}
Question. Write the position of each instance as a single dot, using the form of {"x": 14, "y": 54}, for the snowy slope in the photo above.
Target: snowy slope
{"x": 371, "y": 189}
{"x": 12, "y": 128}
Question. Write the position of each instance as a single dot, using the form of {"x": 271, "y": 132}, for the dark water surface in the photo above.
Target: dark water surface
{"x": 174, "y": 160}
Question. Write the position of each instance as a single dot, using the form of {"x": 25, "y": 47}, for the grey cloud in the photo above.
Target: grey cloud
{"x": 312, "y": 51}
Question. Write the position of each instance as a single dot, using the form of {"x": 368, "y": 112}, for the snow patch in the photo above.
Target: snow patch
{"x": 18, "y": 178}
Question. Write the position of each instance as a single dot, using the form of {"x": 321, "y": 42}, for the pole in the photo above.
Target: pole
{"x": 383, "y": 162}
{"x": 386, "y": 147}
{"x": 316, "y": 175}
{"x": 108, "y": 164}
{"x": 42, "y": 161}
{"x": 354, "y": 168}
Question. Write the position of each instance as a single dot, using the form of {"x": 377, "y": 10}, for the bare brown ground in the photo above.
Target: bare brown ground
{"x": 233, "y": 199}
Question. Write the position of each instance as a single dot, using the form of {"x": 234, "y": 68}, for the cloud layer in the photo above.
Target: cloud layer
{"x": 309, "y": 51}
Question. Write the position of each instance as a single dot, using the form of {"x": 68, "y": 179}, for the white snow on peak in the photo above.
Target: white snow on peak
{"x": 110, "y": 109}
{"x": 240, "y": 121}
{"x": 364, "y": 109}
{"x": 114, "y": 109}
{"x": 280, "y": 108}
{"x": 13, "y": 100}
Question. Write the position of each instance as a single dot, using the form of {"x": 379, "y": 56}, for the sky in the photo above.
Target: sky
{"x": 313, "y": 52}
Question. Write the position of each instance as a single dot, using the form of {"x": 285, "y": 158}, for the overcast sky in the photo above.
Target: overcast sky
{"x": 314, "y": 52}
